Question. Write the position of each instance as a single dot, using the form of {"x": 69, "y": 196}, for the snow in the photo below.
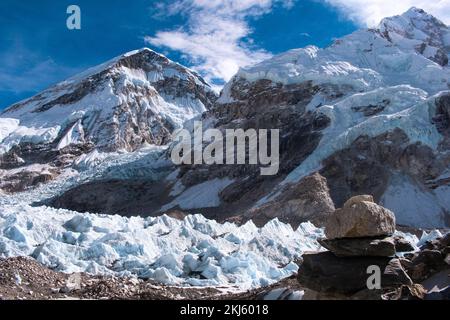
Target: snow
{"x": 146, "y": 163}
{"x": 429, "y": 236}
{"x": 423, "y": 208}
{"x": 363, "y": 60}
{"x": 443, "y": 195}
{"x": 167, "y": 250}
{"x": 119, "y": 86}
{"x": 23, "y": 134}
{"x": 196, "y": 251}
{"x": 299, "y": 65}
{"x": 7, "y": 126}
{"x": 366, "y": 59}
{"x": 369, "y": 67}
{"x": 203, "y": 195}
{"x": 409, "y": 109}
{"x": 35, "y": 167}
{"x": 73, "y": 136}
{"x": 90, "y": 160}
{"x": 177, "y": 189}
{"x": 415, "y": 25}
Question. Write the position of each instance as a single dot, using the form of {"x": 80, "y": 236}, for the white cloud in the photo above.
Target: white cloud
{"x": 217, "y": 36}
{"x": 370, "y": 12}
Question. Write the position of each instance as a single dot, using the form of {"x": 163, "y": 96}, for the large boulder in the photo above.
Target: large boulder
{"x": 324, "y": 272}
{"x": 360, "y": 218}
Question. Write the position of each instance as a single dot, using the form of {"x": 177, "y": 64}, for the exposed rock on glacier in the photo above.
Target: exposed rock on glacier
{"x": 308, "y": 200}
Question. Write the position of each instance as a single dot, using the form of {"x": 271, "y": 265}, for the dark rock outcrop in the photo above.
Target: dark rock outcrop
{"x": 432, "y": 258}
{"x": 324, "y": 272}
{"x": 124, "y": 197}
{"x": 360, "y": 247}
{"x": 308, "y": 200}
{"x": 366, "y": 167}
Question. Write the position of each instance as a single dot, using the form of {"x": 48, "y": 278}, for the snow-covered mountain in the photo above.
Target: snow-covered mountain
{"x": 368, "y": 115}
{"x": 134, "y": 100}
{"x": 411, "y": 49}
{"x": 137, "y": 98}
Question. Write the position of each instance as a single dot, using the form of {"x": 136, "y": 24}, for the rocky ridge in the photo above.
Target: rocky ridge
{"x": 130, "y": 102}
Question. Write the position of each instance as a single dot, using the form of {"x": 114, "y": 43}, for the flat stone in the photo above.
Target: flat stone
{"x": 360, "y": 247}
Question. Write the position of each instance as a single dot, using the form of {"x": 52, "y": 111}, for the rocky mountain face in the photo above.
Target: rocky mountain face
{"x": 419, "y": 31}
{"x": 368, "y": 115}
{"x": 134, "y": 100}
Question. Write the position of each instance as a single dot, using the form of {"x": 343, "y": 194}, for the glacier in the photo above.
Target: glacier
{"x": 190, "y": 252}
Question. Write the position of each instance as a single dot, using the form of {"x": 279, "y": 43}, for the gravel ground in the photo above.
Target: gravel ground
{"x": 23, "y": 278}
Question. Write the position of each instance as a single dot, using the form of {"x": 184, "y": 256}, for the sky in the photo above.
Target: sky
{"x": 214, "y": 37}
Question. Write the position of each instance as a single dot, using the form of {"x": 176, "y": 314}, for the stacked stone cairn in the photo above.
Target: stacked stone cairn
{"x": 361, "y": 262}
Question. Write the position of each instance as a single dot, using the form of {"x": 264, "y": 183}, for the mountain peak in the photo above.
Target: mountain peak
{"x": 414, "y": 18}
{"x": 136, "y": 98}
{"x": 419, "y": 31}
{"x": 141, "y": 52}
{"x": 415, "y": 12}
{"x": 144, "y": 58}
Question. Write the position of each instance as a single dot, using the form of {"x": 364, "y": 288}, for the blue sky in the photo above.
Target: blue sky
{"x": 214, "y": 37}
